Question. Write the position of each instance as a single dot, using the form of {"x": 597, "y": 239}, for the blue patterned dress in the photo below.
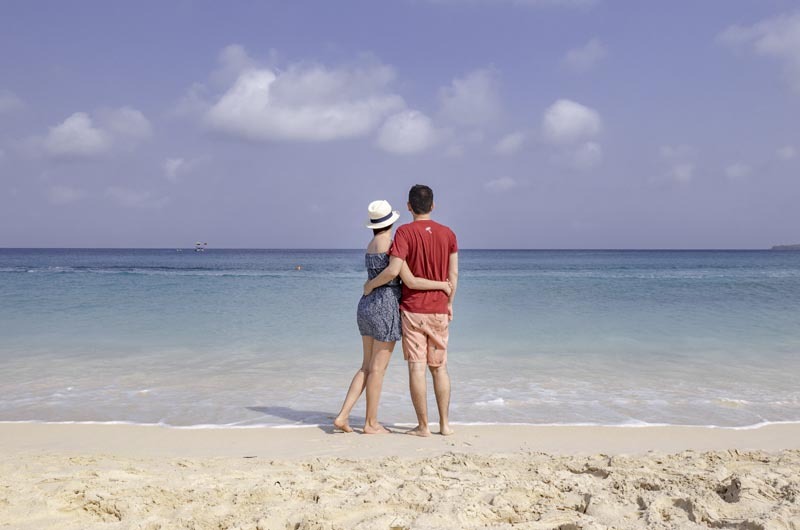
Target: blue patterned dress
{"x": 378, "y": 314}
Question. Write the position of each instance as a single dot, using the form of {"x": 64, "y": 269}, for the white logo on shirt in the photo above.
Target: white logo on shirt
{"x": 428, "y": 229}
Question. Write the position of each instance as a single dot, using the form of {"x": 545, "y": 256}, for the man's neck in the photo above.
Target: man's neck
{"x": 423, "y": 217}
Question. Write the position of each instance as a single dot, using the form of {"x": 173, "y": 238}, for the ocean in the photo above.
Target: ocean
{"x": 242, "y": 338}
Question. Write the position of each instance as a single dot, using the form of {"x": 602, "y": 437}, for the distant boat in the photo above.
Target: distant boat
{"x": 200, "y": 246}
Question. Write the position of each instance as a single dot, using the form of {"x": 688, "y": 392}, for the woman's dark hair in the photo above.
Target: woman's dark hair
{"x": 420, "y": 197}
{"x": 376, "y": 231}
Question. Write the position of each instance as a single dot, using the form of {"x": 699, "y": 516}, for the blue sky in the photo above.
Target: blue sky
{"x": 539, "y": 123}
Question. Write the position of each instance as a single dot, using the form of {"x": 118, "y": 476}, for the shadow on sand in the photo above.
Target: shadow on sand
{"x": 322, "y": 420}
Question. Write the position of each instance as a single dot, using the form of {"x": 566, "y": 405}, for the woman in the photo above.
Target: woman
{"x": 378, "y": 318}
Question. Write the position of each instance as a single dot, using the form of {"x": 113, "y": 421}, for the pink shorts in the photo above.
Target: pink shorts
{"x": 425, "y": 338}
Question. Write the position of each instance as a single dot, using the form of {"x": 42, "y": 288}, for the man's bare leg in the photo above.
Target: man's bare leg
{"x": 381, "y": 353}
{"x": 441, "y": 387}
{"x": 419, "y": 397}
{"x": 356, "y": 388}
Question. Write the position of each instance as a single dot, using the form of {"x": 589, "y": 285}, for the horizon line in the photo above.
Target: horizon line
{"x": 359, "y": 248}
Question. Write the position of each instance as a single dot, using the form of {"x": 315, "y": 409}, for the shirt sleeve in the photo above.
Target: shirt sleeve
{"x": 453, "y": 243}
{"x": 399, "y": 245}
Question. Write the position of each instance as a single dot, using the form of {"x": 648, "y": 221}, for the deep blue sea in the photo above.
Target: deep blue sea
{"x": 240, "y": 337}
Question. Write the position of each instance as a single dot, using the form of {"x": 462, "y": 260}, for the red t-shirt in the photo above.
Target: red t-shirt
{"x": 426, "y": 247}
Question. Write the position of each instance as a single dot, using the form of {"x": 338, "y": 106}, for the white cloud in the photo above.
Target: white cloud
{"x": 233, "y": 60}
{"x": 777, "y": 37}
{"x": 407, "y": 132}
{"x": 510, "y": 143}
{"x": 737, "y": 170}
{"x": 79, "y": 135}
{"x": 64, "y": 194}
{"x": 135, "y": 199}
{"x": 587, "y": 156}
{"x": 306, "y": 103}
{"x": 175, "y": 168}
{"x": 501, "y": 184}
{"x": 76, "y": 136}
{"x": 567, "y": 122}
{"x": 586, "y": 57}
{"x": 9, "y": 102}
{"x": 172, "y": 166}
{"x": 581, "y": 157}
{"x": 471, "y": 100}
{"x": 571, "y": 128}
{"x": 679, "y": 162}
{"x": 787, "y": 152}
{"x": 682, "y": 172}
{"x": 125, "y": 122}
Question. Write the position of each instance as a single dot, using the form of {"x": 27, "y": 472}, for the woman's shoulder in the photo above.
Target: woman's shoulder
{"x": 378, "y": 248}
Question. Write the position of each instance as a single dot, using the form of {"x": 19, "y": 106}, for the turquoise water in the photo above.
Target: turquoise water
{"x": 240, "y": 337}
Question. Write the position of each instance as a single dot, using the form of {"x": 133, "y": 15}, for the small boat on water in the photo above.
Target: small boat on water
{"x": 200, "y": 246}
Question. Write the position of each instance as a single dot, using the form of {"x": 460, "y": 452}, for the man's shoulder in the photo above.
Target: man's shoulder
{"x": 445, "y": 228}
{"x": 403, "y": 230}
{"x": 423, "y": 227}
{"x": 441, "y": 225}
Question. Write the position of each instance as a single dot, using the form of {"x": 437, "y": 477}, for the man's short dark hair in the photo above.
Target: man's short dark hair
{"x": 420, "y": 197}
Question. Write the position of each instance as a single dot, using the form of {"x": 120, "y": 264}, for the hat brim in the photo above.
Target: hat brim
{"x": 390, "y": 221}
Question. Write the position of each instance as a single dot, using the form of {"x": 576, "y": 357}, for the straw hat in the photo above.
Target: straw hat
{"x": 381, "y": 214}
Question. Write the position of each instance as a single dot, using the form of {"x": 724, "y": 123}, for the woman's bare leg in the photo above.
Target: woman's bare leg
{"x": 357, "y": 386}
{"x": 381, "y": 353}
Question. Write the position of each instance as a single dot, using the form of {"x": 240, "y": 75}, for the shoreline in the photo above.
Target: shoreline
{"x": 310, "y": 441}
{"x": 399, "y": 426}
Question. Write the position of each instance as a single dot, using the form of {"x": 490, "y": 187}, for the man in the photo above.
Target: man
{"x": 431, "y": 251}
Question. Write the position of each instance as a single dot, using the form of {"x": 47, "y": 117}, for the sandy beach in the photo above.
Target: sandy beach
{"x": 568, "y": 229}
{"x": 122, "y": 476}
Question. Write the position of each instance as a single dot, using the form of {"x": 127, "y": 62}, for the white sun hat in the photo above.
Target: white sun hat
{"x": 381, "y": 214}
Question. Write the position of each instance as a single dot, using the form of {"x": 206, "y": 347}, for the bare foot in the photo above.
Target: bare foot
{"x": 446, "y": 430}
{"x": 342, "y": 425}
{"x": 419, "y": 431}
{"x": 380, "y": 429}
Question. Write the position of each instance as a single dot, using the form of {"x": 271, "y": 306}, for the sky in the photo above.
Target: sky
{"x": 538, "y": 123}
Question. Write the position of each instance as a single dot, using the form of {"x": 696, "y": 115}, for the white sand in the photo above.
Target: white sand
{"x": 96, "y": 476}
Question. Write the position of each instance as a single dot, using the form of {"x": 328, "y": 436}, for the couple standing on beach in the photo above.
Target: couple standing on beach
{"x": 424, "y": 255}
